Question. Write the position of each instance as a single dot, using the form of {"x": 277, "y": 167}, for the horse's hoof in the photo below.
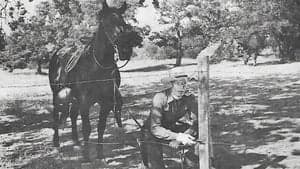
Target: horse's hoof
{"x": 101, "y": 162}
{"x": 76, "y": 143}
{"x": 55, "y": 150}
{"x": 120, "y": 125}
{"x": 86, "y": 160}
{"x": 142, "y": 166}
{"x": 76, "y": 148}
{"x": 86, "y": 165}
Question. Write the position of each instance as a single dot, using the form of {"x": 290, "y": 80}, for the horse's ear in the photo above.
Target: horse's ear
{"x": 104, "y": 5}
{"x": 123, "y": 8}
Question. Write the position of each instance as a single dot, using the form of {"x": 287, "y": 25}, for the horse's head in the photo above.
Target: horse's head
{"x": 119, "y": 34}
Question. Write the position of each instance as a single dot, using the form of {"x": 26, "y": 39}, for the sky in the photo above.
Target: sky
{"x": 148, "y": 16}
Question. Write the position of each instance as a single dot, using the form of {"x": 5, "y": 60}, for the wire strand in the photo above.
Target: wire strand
{"x": 82, "y": 82}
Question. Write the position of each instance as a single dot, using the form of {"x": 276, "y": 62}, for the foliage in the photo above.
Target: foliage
{"x": 191, "y": 26}
{"x": 2, "y": 40}
{"x": 14, "y": 13}
{"x": 279, "y": 19}
{"x": 230, "y": 21}
{"x": 60, "y": 23}
{"x": 151, "y": 50}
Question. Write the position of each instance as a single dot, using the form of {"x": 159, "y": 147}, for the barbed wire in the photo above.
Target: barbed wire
{"x": 152, "y": 142}
{"x": 37, "y": 97}
{"x": 92, "y": 81}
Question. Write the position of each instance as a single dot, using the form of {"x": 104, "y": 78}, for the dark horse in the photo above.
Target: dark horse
{"x": 252, "y": 46}
{"x": 95, "y": 78}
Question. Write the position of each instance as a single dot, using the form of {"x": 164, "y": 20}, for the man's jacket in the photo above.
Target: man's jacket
{"x": 167, "y": 114}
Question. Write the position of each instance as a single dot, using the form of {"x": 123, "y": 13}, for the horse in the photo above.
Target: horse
{"x": 94, "y": 78}
{"x": 252, "y": 46}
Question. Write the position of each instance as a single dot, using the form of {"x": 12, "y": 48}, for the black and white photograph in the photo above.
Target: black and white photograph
{"x": 149, "y": 84}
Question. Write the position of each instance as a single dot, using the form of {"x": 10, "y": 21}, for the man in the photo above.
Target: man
{"x": 172, "y": 120}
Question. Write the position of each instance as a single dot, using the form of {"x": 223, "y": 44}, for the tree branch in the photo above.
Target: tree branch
{"x": 4, "y": 7}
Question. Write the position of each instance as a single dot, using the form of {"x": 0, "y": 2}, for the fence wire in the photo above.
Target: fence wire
{"x": 96, "y": 81}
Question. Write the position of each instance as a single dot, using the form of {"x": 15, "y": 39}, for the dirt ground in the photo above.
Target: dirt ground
{"x": 255, "y": 114}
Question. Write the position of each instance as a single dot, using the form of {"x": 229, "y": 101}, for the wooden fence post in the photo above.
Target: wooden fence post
{"x": 203, "y": 112}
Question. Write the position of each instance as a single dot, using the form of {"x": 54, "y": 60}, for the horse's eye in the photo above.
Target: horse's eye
{"x": 121, "y": 29}
{"x": 117, "y": 17}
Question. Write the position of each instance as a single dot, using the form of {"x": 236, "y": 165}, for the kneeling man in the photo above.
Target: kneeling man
{"x": 172, "y": 120}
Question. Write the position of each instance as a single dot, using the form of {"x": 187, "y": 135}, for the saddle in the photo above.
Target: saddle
{"x": 67, "y": 59}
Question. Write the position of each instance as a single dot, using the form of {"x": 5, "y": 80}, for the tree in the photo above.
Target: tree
{"x": 279, "y": 18}
{"x": 53, "y": 25}
{"x": 2, "y": 40}
{"x": 14, "y": 13}
{"x": 59, "y": 23}
{"x": 192, "y": 25}
{"x": 172, "y": 13}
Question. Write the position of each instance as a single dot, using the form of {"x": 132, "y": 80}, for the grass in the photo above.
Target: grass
{"x": 254, "y": 109}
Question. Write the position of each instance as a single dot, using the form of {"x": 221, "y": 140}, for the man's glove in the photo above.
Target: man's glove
{"x": 185, "y": 139}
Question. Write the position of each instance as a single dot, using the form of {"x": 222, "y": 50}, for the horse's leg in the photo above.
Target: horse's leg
{"x": 60, "y": 114}
{"x": 55, "y": 122}
{"x": 74, "y": 114}
{"x": 255, "y": 58}
{"x": 86, "y": 125}
{"x": 105, "y": 109}
{"x": 118, "y": 107}
{"x": 246, "y": 58}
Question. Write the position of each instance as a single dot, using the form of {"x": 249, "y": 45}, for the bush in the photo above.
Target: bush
{"x": 192, "y": 53}
{"x": 20, "y": 64}
{"x": 170, "y": 52}
{"x": 152, "y": 51}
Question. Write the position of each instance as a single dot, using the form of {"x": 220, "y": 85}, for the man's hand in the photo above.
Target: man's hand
{"x": 174, "y": 144}
{"x": 185, "y": 139}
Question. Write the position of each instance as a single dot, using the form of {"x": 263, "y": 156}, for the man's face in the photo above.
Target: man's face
{"x": 179, "y": 88}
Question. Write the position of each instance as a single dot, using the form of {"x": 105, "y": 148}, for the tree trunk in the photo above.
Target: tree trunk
{"x": 287, "y": 51}
{"x": 286, "y": 46}
{"x": 179, "y": 49}
{"x": 179, "y": 55}
{"x": 39, "y": 68}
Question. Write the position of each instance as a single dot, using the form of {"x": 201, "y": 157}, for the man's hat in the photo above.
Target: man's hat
{"x": 173, "y": 79}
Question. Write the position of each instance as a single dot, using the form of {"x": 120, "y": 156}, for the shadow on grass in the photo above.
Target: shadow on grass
{"x": 277, "y": 62}
{"x": 247, "y": 115}
{"x": 23, "y": 115}
{"x": 161, "y": 67}
{"x": 252, "y": 114}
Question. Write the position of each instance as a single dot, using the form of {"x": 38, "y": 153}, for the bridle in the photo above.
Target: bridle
{"x": 116, "y": 53}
